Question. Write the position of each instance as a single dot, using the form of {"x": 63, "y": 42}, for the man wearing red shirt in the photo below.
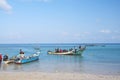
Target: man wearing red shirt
{"x": 0, "y": 58}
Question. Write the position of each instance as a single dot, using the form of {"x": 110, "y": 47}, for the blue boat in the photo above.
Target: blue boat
{"x": 26, "y": 59}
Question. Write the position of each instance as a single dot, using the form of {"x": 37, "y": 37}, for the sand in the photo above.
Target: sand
{"x": 54, "y": 76}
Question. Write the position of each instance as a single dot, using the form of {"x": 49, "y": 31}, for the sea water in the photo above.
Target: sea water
{"x": 96, "y": 59}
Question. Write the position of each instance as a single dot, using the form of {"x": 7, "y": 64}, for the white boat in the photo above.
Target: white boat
{"x": 70, "y": 52}
{"x": 65, "y": 53}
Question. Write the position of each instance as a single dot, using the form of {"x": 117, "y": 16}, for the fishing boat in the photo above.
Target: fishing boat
{"x": 74, "y": 51}
{"x": 65, "y": 53}
{"x": 8, "y": 61}
{"x": 26, "y": 59}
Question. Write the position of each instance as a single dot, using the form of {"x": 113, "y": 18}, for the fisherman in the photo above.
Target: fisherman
{"x": 0, "y": 58}
{"x": 75, "y": 49}
{"x": 80, "y": 47}
{"x": 21, "y": 53}
{"x": 5, "y": 57}
{"x": 61, "y": 51}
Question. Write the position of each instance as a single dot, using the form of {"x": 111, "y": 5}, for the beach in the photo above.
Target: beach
{"x": 54, "y": 76}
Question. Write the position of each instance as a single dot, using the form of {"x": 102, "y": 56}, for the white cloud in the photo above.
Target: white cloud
{"x": 5, "y": 6}
{"x": 105, "y": 31}
{"x": 87, "y": 33}
{"x": 65, "y": 34}
{"x": 13, "y": 35}
{"x": 76, "y": 35}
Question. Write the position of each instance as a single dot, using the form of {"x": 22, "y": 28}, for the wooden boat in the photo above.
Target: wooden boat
{"x": 9, "y": 61}
{"x": 6, "y": 60}
{"x": 70, "y": 52}
{"x": 26, "y": 59}
{"x": 65, "y": 53}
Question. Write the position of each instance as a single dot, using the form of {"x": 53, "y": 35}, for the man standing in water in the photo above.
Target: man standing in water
{"x": 21, "y": 53}
{"x": 5, "y": 57}
{"x": 0, "y": 58}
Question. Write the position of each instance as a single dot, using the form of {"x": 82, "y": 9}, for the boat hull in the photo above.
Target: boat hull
{"x": 9, "y": 61}
{"x": 75, "y": 51}
{"x": 62, "y": 53}
{"x": 67, "y": 53}
{"x": 27, "y": 60}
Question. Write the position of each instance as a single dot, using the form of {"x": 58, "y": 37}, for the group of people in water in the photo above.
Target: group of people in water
{"x": 5, "y": 57}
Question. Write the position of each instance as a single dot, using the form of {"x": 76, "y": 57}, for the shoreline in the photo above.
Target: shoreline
{"x": 55, "y": 76}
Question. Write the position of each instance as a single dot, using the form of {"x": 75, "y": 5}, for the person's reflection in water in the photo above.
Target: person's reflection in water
{"x": 0, "y": 65}
{"x": 5, "y": 66}
{"x": 0, "y": 60}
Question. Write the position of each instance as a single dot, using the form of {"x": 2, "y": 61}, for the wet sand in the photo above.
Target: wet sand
{"x": 54, "y": 76}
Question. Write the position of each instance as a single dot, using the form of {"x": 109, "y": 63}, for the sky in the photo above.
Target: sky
{"x": 59, "y": 21}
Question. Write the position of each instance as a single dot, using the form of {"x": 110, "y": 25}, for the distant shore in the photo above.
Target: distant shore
{"x": 54, "y": 76}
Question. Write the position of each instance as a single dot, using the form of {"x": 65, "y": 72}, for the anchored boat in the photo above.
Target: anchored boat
{"x": 26, "y": 59}
{"x": 74, "y": 51}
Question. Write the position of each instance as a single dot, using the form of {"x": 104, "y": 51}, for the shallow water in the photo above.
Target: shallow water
{"x": 95, "y": 59}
